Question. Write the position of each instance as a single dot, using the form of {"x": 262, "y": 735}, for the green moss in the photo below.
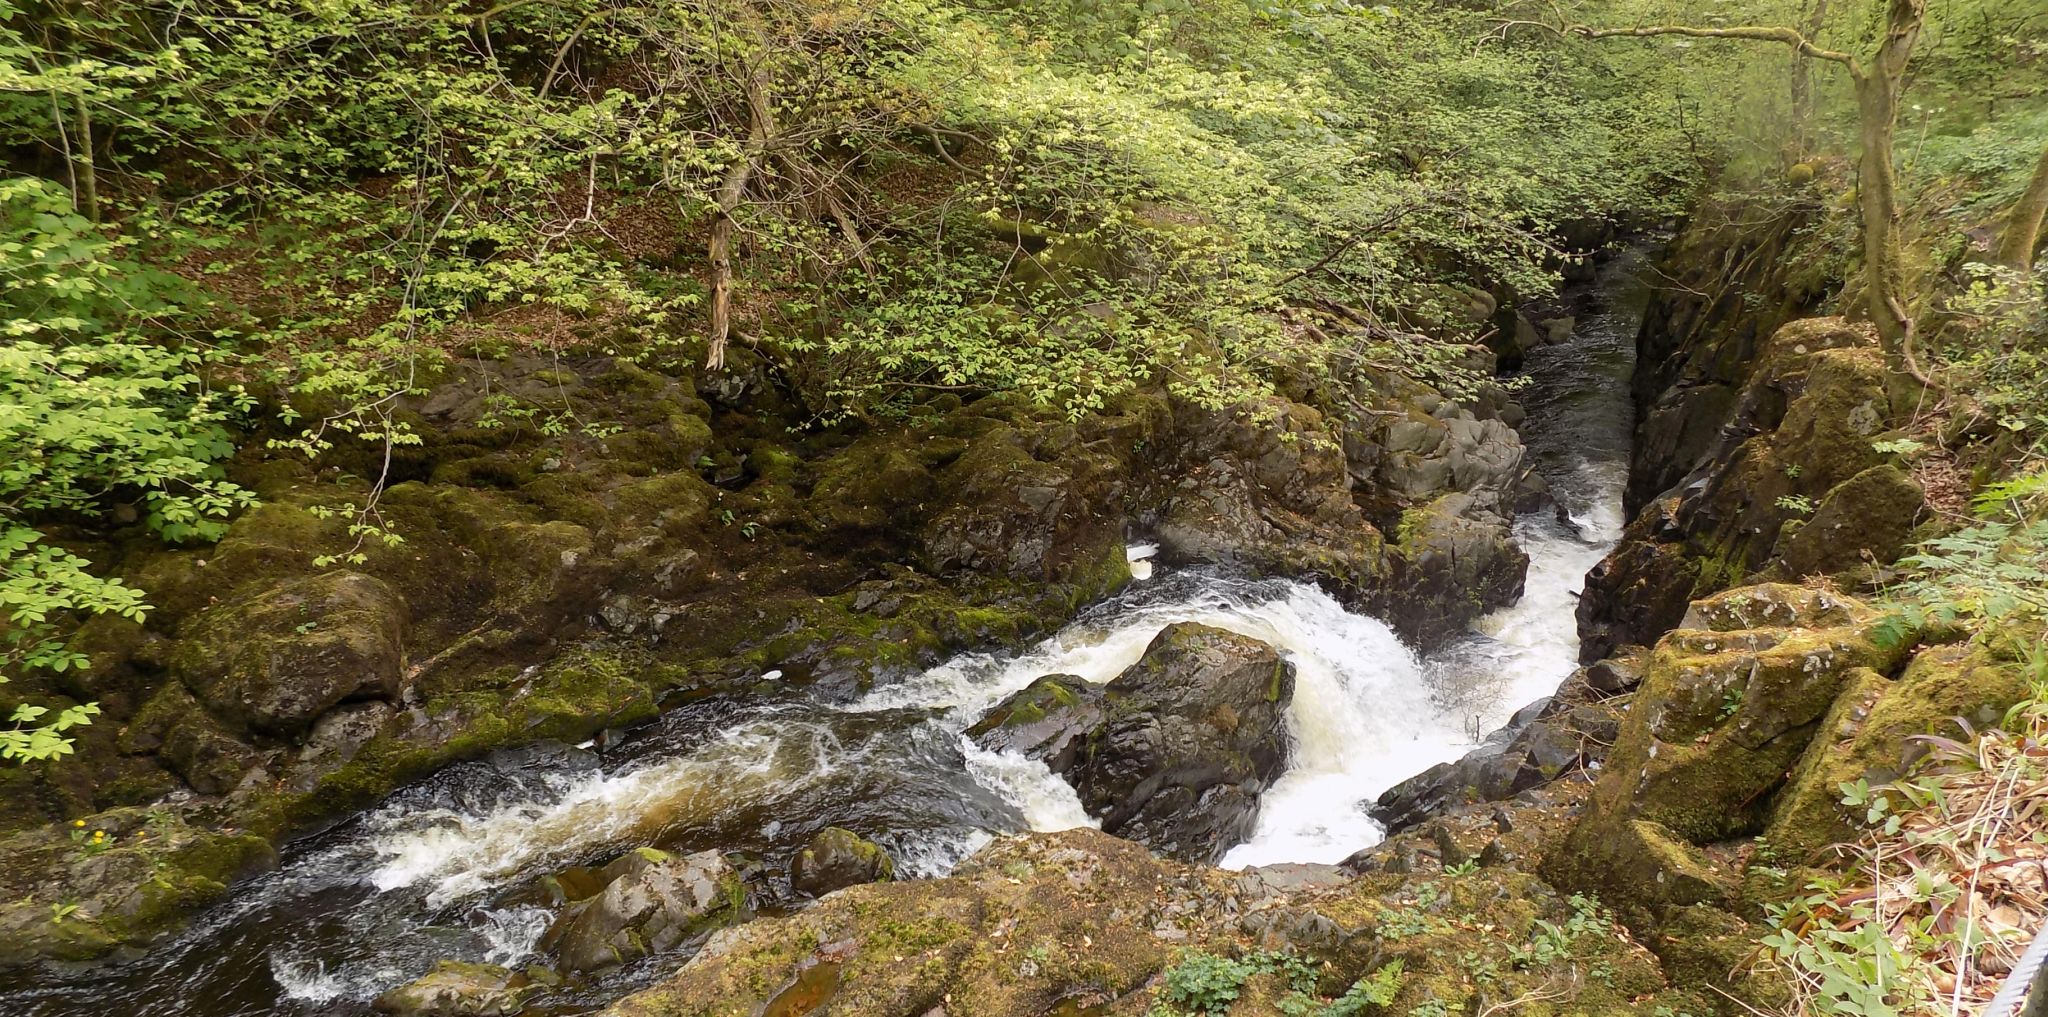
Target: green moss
{"x": 1867, "y": 733}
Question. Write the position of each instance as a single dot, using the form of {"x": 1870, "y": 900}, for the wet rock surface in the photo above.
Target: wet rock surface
{"x": 1050, "y": 720}
{"x": 1174, "y": 752}
{"x": 457, "y": 989}
{"x": 651, "y": 902}
{"x": 836, "y": 859}
{"x": 1552, "y": 738}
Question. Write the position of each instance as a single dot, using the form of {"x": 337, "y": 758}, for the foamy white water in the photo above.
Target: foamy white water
{"x": 1363, "y": 715}
{"x": 460, "y": 853}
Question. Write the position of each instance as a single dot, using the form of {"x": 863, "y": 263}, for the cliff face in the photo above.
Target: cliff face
{"x": 1756, "y": 429}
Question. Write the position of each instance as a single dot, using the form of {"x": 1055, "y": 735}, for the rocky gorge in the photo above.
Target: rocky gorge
{"x": 1000, "y": 712}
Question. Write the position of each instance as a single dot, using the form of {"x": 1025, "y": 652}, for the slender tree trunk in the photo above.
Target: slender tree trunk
{"x": 2023, "y": 227}
{"x": 87, "y": 198}
{"x": 1802, "y": 86}
{"x": 731, "y": 192}
{"x": 1877, "y": 101}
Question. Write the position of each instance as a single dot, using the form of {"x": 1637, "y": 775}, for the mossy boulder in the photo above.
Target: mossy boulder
{"x": 1866, "y": 519}
{"x": 878, "y": 481}
{"x": 1049, "y": 720}
{"x": 1724, "y": 712}
{"x": 1082, "y": 923}
{"x": 1452, "y": 562}
{"x": 1799, "y": 427}
{"x": 654, "y": 903}
{"x": 1868, "y": 734}
{"x": 277, "y": 659}
{"x": 69, "y": 900}
{"x": 838, "y": 858}
{"x": 460, "y": 989}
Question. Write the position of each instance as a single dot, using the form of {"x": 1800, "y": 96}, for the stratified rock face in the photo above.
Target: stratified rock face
{"x": 456, "y": 989}
{"x": 1790, "y": 487}
{"x": 654, "y": 904}
{"x": 1176, "y": 750}
{"x": 836, "y": 859}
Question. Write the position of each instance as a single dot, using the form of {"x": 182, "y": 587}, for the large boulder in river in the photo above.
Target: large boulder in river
{"x": 836, "y": 859}
{"x": 1452, "y": 562}
{"x": 1195, "y": 731}
{"x": 655, "y": 903}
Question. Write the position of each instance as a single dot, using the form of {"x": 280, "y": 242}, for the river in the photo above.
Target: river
{"x": 447, "y": 868}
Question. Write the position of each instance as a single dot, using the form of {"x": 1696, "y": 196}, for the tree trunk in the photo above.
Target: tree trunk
{"x": 1877, "y": 101}
{"x": 1802, "y": 86}
{"x": 731, "y": 191}
{"x": 87, "y": 199}
{"x": 2023, "y": 227}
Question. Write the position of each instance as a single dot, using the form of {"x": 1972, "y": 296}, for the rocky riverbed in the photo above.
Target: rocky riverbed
{"x": 997, "y": 712}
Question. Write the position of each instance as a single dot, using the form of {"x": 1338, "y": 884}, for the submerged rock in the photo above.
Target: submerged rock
{"x": 458, "y": 989}
{"x": 654, "y": 903}
{"x": 838, "y": 858}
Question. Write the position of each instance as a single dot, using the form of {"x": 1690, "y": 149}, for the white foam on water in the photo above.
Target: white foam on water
{"x": 1533, "y": 643}
{"x": 1045, "y": 801}
{"x": 463, "y": 853}
{"x": 1362, "y": 716}
{"x": 930, "y": 857}
{"x": 1140, "y": 556}
{"x": 511, "y": 935}
{"x": 313, "y": 981}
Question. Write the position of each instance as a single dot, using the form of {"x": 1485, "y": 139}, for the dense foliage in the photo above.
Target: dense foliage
{"x": 879, "y": 198}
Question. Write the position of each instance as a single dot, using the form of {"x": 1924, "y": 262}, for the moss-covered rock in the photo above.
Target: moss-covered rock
{"x": 1193, "y": 734}
{"x": 70, "y": 896}
{"x": 1865, "y": 519}
{"x": 279, "y": 658}
{"x": 1800, "y": 426}
{"x": 838, "y": 858}
{"x": 1451, "y": 564}
{"x": 1867, "y": 736}
{"x": 1049, "y": 720}
{"x": 653, "y": 902}
{"x": 460, "y": 989}
{"x": 1724, "y": 712}
{"x": 1079, "y": 922}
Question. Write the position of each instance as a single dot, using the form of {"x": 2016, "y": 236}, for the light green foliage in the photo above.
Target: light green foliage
{"x": 95, "y": 410}
{"x": 1111, "y": 189}
{"x": 1204, "y": 983}
{"x": 1997, "y": 350}
{"x": 1993, "y": 572}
